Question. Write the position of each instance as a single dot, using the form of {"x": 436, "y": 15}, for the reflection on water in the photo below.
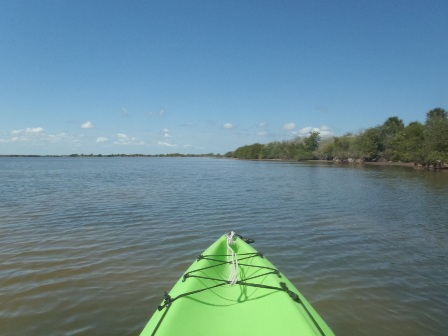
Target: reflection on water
{"x": 88, "y": 245}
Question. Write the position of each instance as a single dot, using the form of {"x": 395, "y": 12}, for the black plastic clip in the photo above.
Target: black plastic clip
{"x": 166, "y": 302}
{"x": 249, "y": 240}
{"x": 293, "y": 295}
{"x": 246, "y": 240}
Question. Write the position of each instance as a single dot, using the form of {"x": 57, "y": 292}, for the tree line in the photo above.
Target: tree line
{"x": 296, "y": 149}
{"x": 423, "y": 143}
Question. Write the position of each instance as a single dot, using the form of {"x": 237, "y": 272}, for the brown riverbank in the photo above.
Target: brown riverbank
{"x": 361, "y": 163}
{"x": 439, "y": 166}
{"x": 385, "y": 163}
{"x": 402, "y": 164}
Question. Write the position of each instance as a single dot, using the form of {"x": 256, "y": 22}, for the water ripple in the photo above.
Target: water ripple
{"x": 89, "y": 245}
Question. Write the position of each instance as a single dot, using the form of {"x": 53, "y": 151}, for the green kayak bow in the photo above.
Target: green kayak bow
{"x": 232, "y": 290}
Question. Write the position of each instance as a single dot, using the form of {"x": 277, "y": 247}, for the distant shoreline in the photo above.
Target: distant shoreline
{"x": 218, "y": 156}
{"x": 110, "y": 155}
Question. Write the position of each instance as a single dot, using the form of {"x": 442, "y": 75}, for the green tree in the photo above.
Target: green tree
{"x": 343, "y": 146}
{"x": 407, "y": 146}
{"x": 271, "y": 150}
{"x": 436, "y": 136}
{"x": 392, "y": 126}
{"x": 389, "y": 130}
{"x": 311, "y": 143}
{"x": 368, "y": 144}
{"x": 325, "y": 149}
{"x": 249, "y": 152}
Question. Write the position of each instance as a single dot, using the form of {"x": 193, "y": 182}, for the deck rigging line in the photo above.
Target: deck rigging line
{"x": 168, "y": 301}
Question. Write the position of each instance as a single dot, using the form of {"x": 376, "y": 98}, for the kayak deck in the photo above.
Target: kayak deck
{"x": 261, "y": 302}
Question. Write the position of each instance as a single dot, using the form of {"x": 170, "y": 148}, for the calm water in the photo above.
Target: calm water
{"x": 88, "y": 245}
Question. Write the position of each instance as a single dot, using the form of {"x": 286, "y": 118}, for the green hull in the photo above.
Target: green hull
{"x": 262, "y": 302}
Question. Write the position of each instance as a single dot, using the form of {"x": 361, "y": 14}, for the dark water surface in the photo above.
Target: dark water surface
{"x": 88, "y": 245}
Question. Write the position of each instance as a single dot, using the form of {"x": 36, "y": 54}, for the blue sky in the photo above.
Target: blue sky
{"x": 210, "y": 76}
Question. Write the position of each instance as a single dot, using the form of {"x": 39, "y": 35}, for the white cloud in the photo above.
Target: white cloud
{"x": 166, "y": 132}
{"x": 101, "y": 139}
{"x": 28, "y": 131}
{"x": 164, "y": 143}
{"x": 35, "y": 130}
{"x": 262, "y": 124}
{"x": 31, "y": 134}
{"x": 228, "y": 126}
{"x": 61, "y": 137}
{"x": 262, "y": 133}
{"x": 36, "y": 135}
{"x": 124, "y": 139}
{"x": 87, "y": 124}
{"x": 306, "y": 130}
{"x": 289, "y": 126}
{"x": 324, "y": 131}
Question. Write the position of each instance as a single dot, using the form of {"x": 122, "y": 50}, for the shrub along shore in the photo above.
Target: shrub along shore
{"x": 392, "y": 143}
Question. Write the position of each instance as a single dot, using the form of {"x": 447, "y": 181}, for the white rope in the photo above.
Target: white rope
{"x": 233, "y": 276}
